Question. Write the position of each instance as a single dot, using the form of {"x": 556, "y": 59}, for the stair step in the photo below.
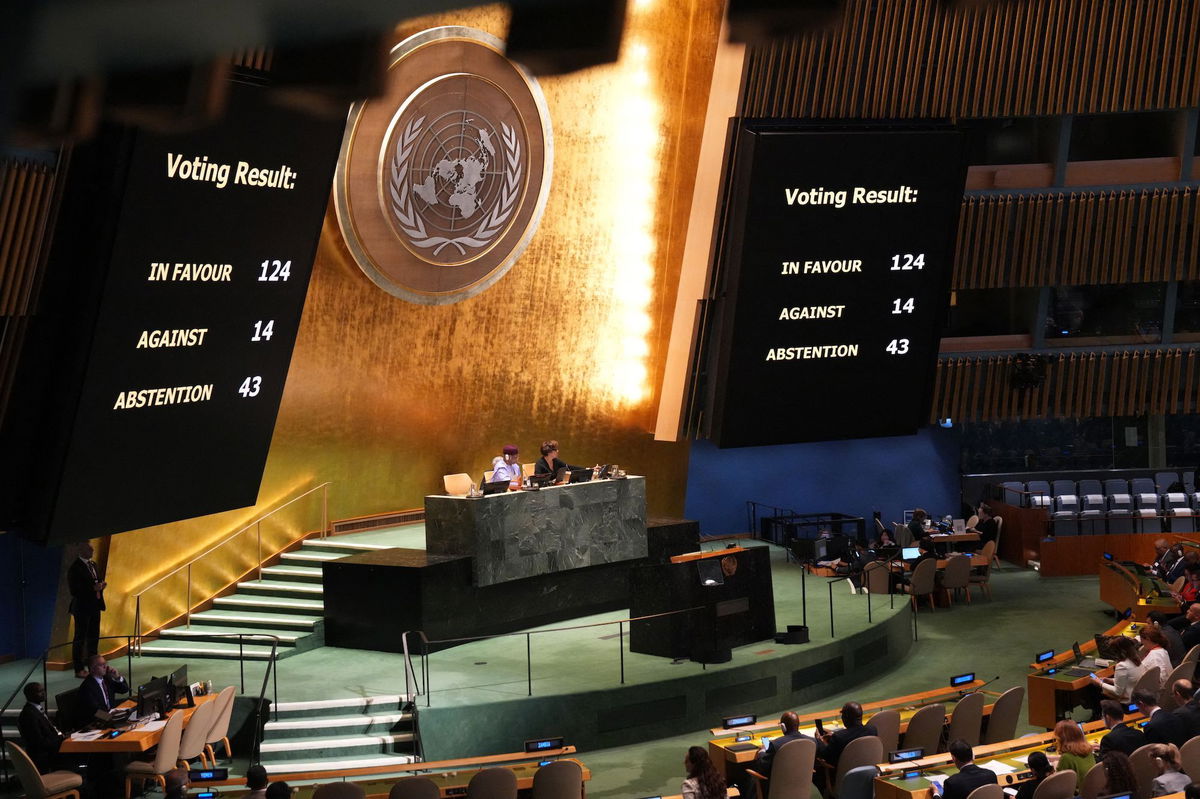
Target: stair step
{"x": 265, "y": 602}
{"x": 205, "y": 650}
{"x": 296, "y": 748}
{"x": 304, "y": 557}
{"x": 282, "y": 588}
{"x": 382, "y": 724}
{"x": 254, "y": 620}
{"x": 294, "y": 573}
{"x": 337, "y": 763}
{"x": 340, "y": 707}
{"x": 334, "y": 545}
{"x": 201, "y": 632}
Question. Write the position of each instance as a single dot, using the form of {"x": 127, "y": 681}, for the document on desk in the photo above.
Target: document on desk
{"x": 152, "y": 726}
{"x": 996, "y": 767}
{"x": 87, "y": 736}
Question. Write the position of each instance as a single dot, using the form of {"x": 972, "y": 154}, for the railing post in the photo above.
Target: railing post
{"x": 187, "y": 611}
{"x": 325, "y": 510}
{"x": 621, "y": 647}
{"x": 258, "y": 532}
{"x": 529, "y": 662}
{"x": 137, "y": 622}
{"x": 242, "y": 660}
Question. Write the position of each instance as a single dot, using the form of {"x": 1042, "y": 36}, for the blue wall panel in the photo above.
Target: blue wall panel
{"x": 28, "y": 589}
{"x": 853, "y": 477}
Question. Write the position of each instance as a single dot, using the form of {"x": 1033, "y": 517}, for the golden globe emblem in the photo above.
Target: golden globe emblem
{"x": 443, "y": 179}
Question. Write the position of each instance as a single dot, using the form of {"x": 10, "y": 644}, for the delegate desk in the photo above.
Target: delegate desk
{"x": 733, "y": 760}
{"x": 1133, "y": 589}
{"x": 1008, "y": 758}
{"x": 1052, "y": 691}
{"x": 520, "y": 534}
{"x": 132, "y": 738}
{"x": 450, "y": 783}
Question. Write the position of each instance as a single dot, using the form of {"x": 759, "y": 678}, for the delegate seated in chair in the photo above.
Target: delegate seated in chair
{"x": 790, "y": 723}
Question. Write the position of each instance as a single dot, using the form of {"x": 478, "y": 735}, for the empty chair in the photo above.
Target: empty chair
{"x": 982, "y": 575}
{"x": 901, "y": 534}
{"x": 1059, "y": 785}
{"x": 992, "y": 791}
{"x": 490, "y": 783}
{"x": 1012, "y": 493}
{"x": 1118, "y": 494}
{"x": 1002, "y": 722}
{"x": 1090, "y": 487}
{"x": 966, "y": 720}
{"x": 791, "y": 771}
{"x": 923, "y": 582}
{"x": 956, "y": 576}
{"x": 864, "y": 751}
{"x": 925, "y": 728}
{"x": 562, "y": 779}
{"x": 1062, "y": 488}
{"x": 1039, "y": 493}
{"x": 1142, "y": 485}
{"x": 195, "y": 734}
{"x": 1094, "y": 782}
{"x": 1065, "y": 516}
{"x": 1145, "y": 500}
{"x": 1166, "y": 481}
{"x": 1189, "y": 758}
{"x": 414, "y": 788}
{"x": 887, "y": 727}
{"x": 859, "y": 783}
{"x": 1189, "y": 482}
{"x": 219, "y": 731}
{"x": 877, "y": 578}
{"x": 55, "y": 785}
{"x": 339, "y": 790}
{"x": 1144, "y": 769}
{"x": 457, "y": 485}
{"x": 165, "y": 758}
{"x": 1120, "y": 521}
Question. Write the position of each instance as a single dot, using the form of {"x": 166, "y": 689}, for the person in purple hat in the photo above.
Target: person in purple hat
{"x": 506, "y": 467}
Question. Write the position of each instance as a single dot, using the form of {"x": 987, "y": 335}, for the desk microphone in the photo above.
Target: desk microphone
{"x": 979, "y": 688}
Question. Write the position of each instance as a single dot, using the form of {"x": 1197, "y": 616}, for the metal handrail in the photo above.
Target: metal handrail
{"x": 257, "y": 524}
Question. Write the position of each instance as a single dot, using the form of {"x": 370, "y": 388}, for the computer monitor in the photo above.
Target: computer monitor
{"x": 180, "y": 690}
{"x": 497, "y": 487}
{"x": 152, "y": 697}
{"x": 581, "y": 475}
{"x": 910, "y": 553}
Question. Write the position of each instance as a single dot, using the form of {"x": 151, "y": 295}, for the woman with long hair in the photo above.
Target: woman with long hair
{"x": 1040, "y": 766}
{"x": 1170, "y": 778}
{"x": 1129, "y": 669}
{"x": 1154, "y": 653}
{"x": 1074, "y": 751}
{"x": 703, "y": 781}
{"x": 1118, "y": 774}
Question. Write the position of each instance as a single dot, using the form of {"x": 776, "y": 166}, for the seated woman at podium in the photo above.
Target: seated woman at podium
{"x": 549, "y": 463}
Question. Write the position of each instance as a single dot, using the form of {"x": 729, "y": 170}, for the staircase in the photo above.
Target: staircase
{"x": 329, "y": 734}
{"x": 288, "y": 602}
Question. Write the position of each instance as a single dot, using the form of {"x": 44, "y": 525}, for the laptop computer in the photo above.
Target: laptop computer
{"x": 910, "y": 553}
{"x": 1083, "y": 666}
{"x": 498, "y": 487}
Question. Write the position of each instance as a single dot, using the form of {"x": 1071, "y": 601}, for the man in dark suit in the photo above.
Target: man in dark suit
{"x": 99, "y": 689}
{"x": 831, "y": 745}
{"x": 87, "y": 602}
{"x": 1120, "y": 738}
{"x": 1188, "y": 709}
{"x": 1163, "y": 727}
{"x": 38, "y": 733}
{"x": 1191, "y": 633}
{"x": 969, "y": 776}
{"x": 790, "y": 723}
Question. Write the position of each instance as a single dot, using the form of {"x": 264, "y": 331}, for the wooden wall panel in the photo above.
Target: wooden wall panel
{"x": 1078, "y": 238}
{"x": 926, "y": 58}
{"x": 1129, "y": 383}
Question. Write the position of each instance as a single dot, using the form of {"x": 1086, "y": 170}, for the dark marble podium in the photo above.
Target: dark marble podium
{"x": 523, "y": 534}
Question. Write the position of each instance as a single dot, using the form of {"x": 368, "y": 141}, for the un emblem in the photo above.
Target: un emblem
{"x": 442, "y": 181}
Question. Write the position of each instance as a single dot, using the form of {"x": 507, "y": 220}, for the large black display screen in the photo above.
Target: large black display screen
{"x": 183, "y": 366}
{"x": 833, "y": 273}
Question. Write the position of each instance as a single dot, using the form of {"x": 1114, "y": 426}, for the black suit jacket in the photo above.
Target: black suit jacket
{"x": 83, "y": 589}
{"x": 764, "y": 760}
{"x": 1191, "y": 636}
{"x": 1164, "y": 727}
{"x": 1190, "y": 715}
{"x": 1121, "y": 739}
{"x": 39, "y": 736}
{"x": 838, "y": 741}
{"x": 91, "y": 698}
{"x": 968, "y": 778}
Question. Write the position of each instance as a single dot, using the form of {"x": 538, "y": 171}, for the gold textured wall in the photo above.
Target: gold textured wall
{"x": 384, "y": 397}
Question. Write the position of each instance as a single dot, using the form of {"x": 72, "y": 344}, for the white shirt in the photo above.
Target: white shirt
{"x": 1158, "y": 657}
{"x": 505, "y": 472}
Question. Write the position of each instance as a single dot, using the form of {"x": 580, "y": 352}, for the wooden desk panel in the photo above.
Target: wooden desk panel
{"x": 1045, "y": 692}
{"x": 133, "y": 740}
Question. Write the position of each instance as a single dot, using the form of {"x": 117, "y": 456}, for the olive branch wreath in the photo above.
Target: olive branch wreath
{"x": 411, "y": 222}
